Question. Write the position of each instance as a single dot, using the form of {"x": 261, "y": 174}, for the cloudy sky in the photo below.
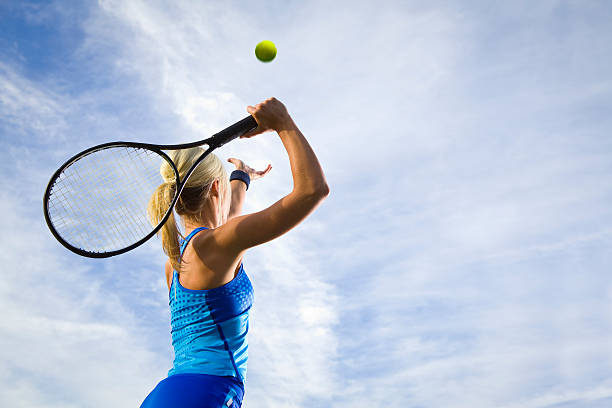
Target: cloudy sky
{"x": 463, "y": 256}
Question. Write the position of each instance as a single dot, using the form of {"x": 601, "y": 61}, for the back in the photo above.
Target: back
{"x": 209, "y": 327}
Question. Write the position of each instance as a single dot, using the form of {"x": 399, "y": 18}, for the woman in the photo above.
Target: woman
{"x": 210, "y": 293}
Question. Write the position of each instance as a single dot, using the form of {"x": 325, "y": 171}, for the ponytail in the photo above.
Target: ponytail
{"x": 169, "y": 233}
{"x": 189, "y": 203}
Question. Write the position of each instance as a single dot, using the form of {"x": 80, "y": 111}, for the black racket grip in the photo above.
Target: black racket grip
{"x": 232, "y": 132}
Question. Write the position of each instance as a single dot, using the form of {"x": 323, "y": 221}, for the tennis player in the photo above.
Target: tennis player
{"x": 210, "y": 292}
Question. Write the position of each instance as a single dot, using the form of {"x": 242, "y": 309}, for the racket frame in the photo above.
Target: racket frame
{"x": 217, "y": 140}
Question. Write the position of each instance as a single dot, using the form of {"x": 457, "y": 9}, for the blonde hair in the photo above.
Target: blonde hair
{"x": 189, "y": 204}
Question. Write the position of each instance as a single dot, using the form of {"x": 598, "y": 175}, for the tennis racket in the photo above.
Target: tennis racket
{"x": 96, "y": 203}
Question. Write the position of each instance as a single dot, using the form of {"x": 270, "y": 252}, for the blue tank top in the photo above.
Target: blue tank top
{"x": 209, "y": 327}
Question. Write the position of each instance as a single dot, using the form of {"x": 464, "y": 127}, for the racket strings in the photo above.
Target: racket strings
{"x": 99, "y": 202}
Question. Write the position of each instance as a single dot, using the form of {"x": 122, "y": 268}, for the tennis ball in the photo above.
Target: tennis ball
{"x": 265, "y": 51}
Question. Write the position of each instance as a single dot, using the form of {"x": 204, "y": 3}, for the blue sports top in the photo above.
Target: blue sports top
{"x": 209, "y": 327}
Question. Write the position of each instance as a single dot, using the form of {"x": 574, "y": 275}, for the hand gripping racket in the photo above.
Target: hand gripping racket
{"x": 96, "y": 203}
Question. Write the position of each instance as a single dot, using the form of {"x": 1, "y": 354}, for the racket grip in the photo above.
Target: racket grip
{"x": 232, "y": 132}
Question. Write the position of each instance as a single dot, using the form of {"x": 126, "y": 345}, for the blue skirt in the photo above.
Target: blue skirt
{"x": 196, "y": 391}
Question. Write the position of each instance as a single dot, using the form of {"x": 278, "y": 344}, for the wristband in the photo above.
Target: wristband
{"x": 242, "y": 176}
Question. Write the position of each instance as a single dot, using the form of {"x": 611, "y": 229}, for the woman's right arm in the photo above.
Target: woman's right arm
{"x": 309, "y": 186}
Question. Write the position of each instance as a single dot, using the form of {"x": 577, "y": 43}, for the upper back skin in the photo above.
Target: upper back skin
{"x": 208, "y": 269}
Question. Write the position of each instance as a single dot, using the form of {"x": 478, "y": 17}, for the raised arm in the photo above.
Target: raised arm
{"x": 239, "y": 188}
{"x": 238, "y": 195}
{"x": 309, "y": 186}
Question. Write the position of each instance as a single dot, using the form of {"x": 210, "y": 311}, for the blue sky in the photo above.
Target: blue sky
{"x": 461, "y": 260}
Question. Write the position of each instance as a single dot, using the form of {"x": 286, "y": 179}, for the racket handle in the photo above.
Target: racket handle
{"x": 232, "y": 132}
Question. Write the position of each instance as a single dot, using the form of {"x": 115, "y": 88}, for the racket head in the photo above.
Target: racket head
{"x": 96, "y": 203}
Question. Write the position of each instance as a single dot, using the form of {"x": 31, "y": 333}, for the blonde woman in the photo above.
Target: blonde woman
{"x": 210, "y": 292}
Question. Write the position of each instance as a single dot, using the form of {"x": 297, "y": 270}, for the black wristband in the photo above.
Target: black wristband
{"x": 242, "y": 176}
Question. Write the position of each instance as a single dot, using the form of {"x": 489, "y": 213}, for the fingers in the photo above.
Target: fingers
{"x": 252, "y": 133}
{"x": 270, "y": 114}
{"x": 252, "y": 111}
{"x": 236, "y": 162}
{"x": 257, "y": 131}
{"x": 262, "y": 173}
{"x": 266, "y": 171}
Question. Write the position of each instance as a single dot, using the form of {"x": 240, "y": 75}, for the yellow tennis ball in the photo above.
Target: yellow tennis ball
{"x": 265, "y": 51}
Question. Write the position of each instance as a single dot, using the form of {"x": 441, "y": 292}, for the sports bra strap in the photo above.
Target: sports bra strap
{"x": 188, "y": 237}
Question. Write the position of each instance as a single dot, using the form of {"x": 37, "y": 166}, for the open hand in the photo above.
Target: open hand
{"x": 253, "y": 174}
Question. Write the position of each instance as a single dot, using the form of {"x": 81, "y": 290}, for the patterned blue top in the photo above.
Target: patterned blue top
{"x": 209, "y": 327}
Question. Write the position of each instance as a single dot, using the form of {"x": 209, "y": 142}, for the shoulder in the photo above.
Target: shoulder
{"x": 215, "y": 257}
{"x": 213, "y": 242}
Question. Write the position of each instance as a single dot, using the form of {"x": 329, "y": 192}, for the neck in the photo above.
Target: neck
{"x": 209, "y": 217}
{"x": 191, "y": 225}
{"x": 210, "y": 221}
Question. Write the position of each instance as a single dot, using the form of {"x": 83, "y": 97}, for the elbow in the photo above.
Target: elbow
{"x": 315, "y": 193}
{"x": 320, "y": 193}
{"x": 323, "y": 190}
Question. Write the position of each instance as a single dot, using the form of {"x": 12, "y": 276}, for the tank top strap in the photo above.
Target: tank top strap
{"x": 183, "y": 246}
{"x": 188, "y": 238}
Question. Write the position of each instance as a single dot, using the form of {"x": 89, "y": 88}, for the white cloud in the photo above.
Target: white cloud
{"x": 293, "y": 320}
{"x": 26, "y": 109}
{"x": 461, "y": 259}
{"x": 63, "y": 332}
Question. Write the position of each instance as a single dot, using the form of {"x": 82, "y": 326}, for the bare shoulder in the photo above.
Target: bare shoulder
{"x": 212, "y": 265}
{"x": 210, "y": 244}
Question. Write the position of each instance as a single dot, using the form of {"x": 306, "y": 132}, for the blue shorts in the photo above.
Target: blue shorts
{"x": 196, "y": 391}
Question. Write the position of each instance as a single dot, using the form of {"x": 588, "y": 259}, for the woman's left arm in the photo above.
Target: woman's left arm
{"x": 238, "y": 194}
{"x": 239, "y": 187}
